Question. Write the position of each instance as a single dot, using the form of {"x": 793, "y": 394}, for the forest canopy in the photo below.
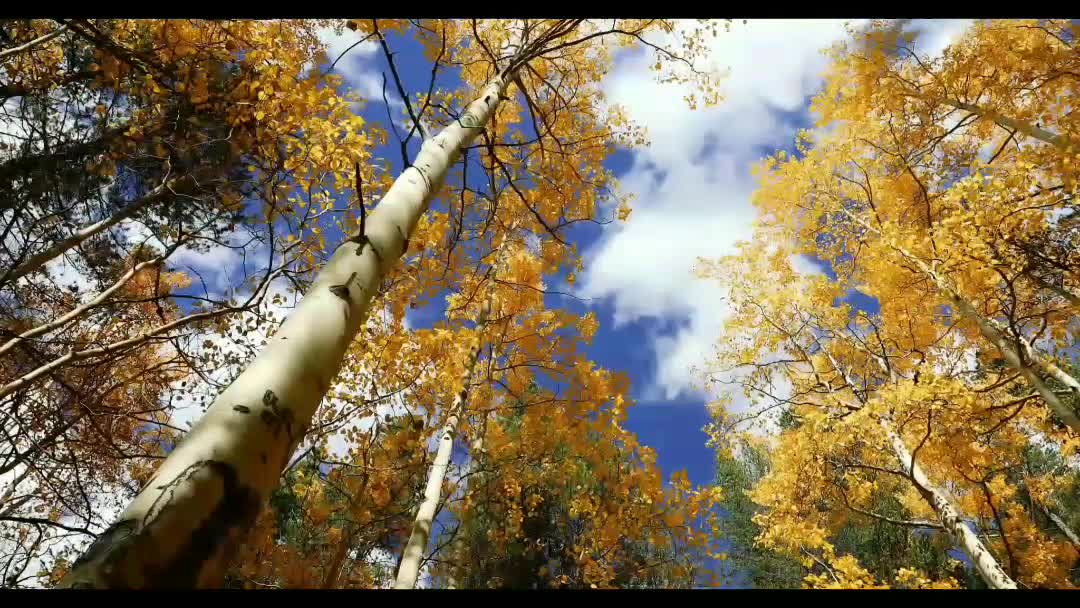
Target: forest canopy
{"x": 352, "y": 303}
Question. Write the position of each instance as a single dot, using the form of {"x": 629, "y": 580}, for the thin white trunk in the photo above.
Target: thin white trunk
{"x": 409, "y": 569}
{"x": 996, "y": 335}
{"x": 985, "y": 564}
{"x": 1019, "y": 126}
{"x": 475, "y": 450}
{"x": 60, "y": 321}
{"x": 1061, "y": 525}
{"x": 4, "y": 54}
{"x": 11, "y": 488}
{"x": 122, "y": 345}
{"x": 165, "y": 190}
{"x": 205, "y": 496}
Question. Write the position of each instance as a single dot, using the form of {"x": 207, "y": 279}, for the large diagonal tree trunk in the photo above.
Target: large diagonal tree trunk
{"x": 204, "y": 497}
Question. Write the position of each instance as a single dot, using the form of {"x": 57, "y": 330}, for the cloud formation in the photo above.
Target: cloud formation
{"x": 692, "y": 185}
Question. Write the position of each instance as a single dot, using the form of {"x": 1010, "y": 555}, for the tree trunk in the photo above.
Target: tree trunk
{"x": 79, "y": 310}
{"x": 1069, "y": 296}
{"x": 205, "y": 496}
{"x": 987, "y": 567}
{"x": 11, "y": 488}
{"x": 409, "y": 569}
{"x": 985, "y": 564}
{"x": 164, "y": 191}
{"x": 1061, "y": 525}
{"x": 4, "y": 54}
{"x": 330, "y": 579}
{"x": 50, "y": 161}
{"x": 458, "y": 545}
{"x": 1061, "y": 141}
{"x": 993, "y": 332}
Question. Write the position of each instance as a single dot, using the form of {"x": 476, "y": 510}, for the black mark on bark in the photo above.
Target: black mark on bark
{"x": 125, "y": 555}
{"x": 278, "y": 418}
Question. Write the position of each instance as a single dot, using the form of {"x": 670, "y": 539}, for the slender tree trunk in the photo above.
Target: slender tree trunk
{"x": 4, "y": 54}
{"x": 330, "y": 579}
{"x": 458, "y": 545}
{"x": 49, "y": 161}
{"x": 409, "y": 569}
{"x": 205, "y": 496}
{"x": 165, "y": 191}
{"x": 1069, "y": 296}
{"x": 11, "y": 488}
{"x": 985, "y": 564}
{"x": 1061, "y": 141}
{"x": 78, "y": 310}
{"x": 992, "y": 331}
{"x": 996, "y": 335}
{"x": 1061, "y": 525}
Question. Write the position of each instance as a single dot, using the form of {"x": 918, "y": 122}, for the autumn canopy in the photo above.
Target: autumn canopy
{"x": 270, "y": 324}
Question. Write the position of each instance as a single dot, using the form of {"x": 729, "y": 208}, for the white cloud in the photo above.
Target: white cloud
{"x": 693, "y": 183}
{"x": 935, "y": 35}
{"x": 361, "y": 72}
{"x": 356, "y": 58}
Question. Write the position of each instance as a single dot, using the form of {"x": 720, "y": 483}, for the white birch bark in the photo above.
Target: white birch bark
{"x": 1019, "y": 126}
{"x": 996, "y": 335}
{"x": 4, "y": 54}
{"x": 78, "y": 310}
{"x": 475, "y": 450}
{"x": 204, "y": 497}
{"x": 409, "y": 568}
{"x": 158, "y": 194}
{"x": 1061, "y": 525}
{"x": 985, "y": 564}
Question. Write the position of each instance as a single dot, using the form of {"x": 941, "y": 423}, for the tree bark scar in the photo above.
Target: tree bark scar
{"x": 124, "y": 555}
{"x": 111, "y": 546}
{"x": 235, "y": 512}
{"x": 278, "y": 418}
{"x": 342, "y": 291}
